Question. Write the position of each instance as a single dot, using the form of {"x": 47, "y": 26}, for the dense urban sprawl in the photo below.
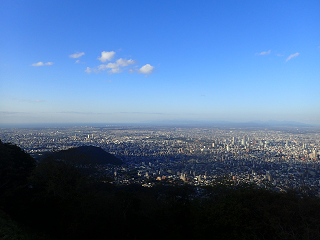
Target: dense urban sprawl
{"x": 280, "y": 159}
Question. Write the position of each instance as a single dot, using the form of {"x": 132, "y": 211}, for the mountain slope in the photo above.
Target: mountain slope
{"x": 87, "y": 154}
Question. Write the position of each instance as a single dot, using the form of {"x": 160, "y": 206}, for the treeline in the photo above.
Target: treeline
{"x": 55, "y": 199}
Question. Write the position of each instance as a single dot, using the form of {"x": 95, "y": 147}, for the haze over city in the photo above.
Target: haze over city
{"x": 159, "y": 61}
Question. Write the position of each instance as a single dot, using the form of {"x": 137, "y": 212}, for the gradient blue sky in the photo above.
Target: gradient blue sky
{"x": 141, "y": 61}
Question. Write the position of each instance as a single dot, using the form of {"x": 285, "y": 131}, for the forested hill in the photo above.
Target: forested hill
{"x": 87, "y": 154}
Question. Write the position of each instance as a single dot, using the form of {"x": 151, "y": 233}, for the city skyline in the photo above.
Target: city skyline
{"x": 144, "y": 62}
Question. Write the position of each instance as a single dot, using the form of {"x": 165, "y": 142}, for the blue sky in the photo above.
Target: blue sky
{"x": 144, "y": 61}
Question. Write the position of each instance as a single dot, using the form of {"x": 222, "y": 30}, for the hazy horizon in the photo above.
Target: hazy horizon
{"x": 139, "y": 62}
{"x": 182, "y": 124}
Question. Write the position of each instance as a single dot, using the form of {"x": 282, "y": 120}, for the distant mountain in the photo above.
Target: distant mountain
{"x": 273, "y": 123}
{"x": 87, "y": 154}
{"x": 270, "y": 123}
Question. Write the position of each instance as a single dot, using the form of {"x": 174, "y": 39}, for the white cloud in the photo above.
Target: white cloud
{"x": 76, "y": 55}
{"x": 115, "y": 67}
{"x": 88, "y": 70}
{"x": 39, "y": 64}
{"x": 106, "y": 56}
{"x": 118, "y": 66}
{"x": 115, "y": 70}
{"x": 292, "y": 56}
{"x": 146, "y": 69}
{"x": 101, "y": 67}
{"x": 78, "y": 61}
{"x": 111, "y": 65}
{"x": 125, "y": 62}
{"x": 264, "y": 53}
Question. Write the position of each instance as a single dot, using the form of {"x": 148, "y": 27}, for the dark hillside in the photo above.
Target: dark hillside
{"x": 54, "y": 199}
{"x": 15, "y": 167}
{"x": 87, "y": 154}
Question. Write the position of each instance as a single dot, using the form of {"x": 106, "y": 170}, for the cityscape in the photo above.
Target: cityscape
{"x": 160, "y": 120}
{"x": 275, "y": 158}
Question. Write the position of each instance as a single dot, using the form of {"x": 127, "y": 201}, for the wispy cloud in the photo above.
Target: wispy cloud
{"x": 39, "y": 64}
{"x": 74, "y": 112}
{"x": 108, "y": 113}
{"x": 132, "y": 70}
{"x": 88, "y": 70}
{"x": 76, "y": 55}
{"x": 146, "y": 69}
{"x": 28, "y": 100}
{"x": 264, "y": 53}
{"x": 157, "y": 113}
{"x": 106, "y": 56}
{"x": 9, "y": 113}
{"x": 78, "y": 61}
{"x": 292, "y": 56}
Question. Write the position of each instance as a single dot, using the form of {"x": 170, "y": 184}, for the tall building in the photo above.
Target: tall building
{"x": 269, "y": 176}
